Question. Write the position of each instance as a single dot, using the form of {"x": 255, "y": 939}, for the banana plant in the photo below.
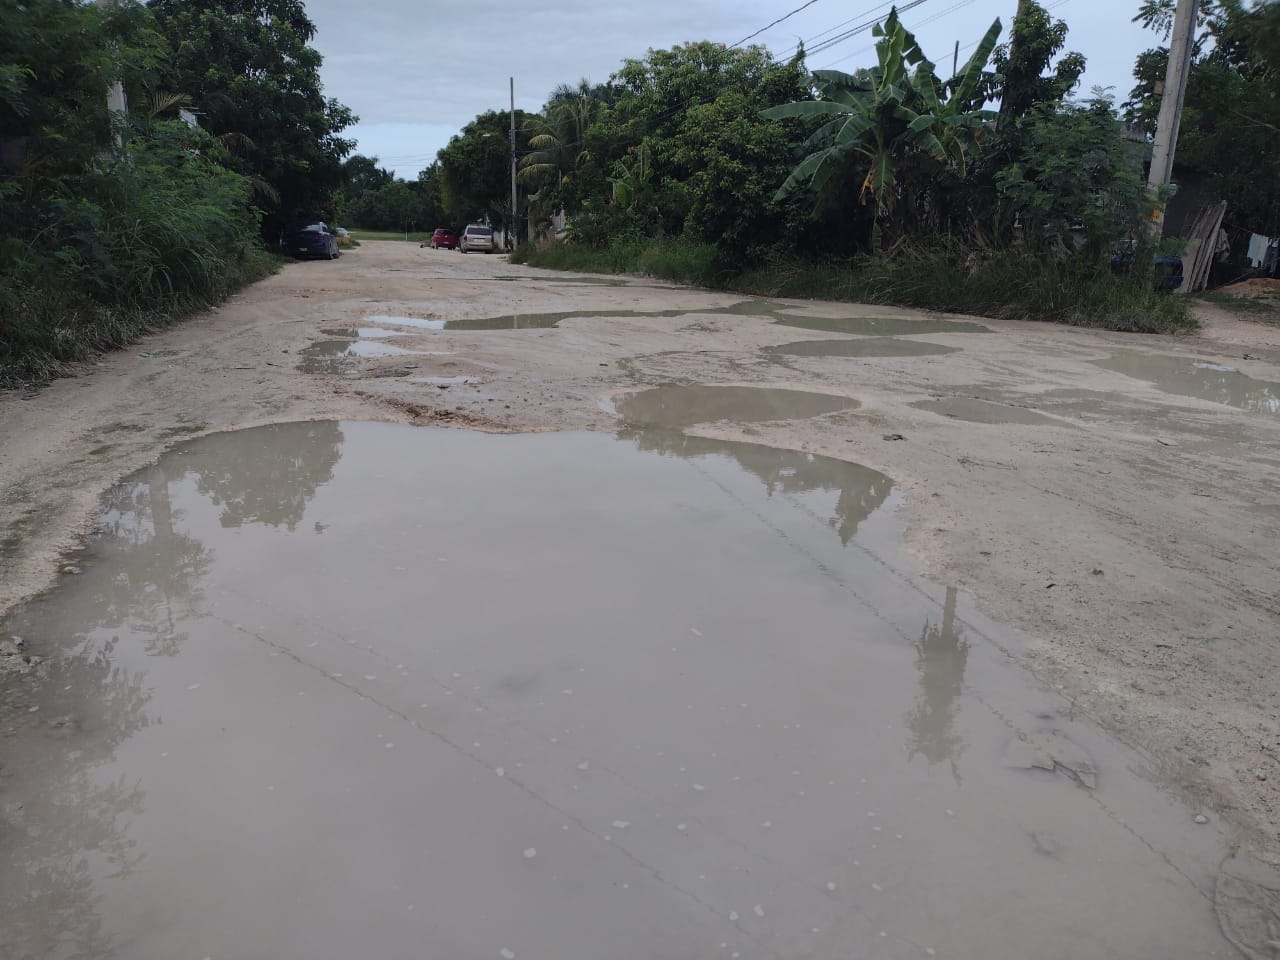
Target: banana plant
{"x": 882, "y": 116}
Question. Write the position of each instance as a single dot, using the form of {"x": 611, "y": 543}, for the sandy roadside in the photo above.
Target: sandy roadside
{"x": 1127, "y": 528}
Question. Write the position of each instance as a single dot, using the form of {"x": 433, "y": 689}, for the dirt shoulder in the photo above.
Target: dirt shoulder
{"x": 1124, "y": 516}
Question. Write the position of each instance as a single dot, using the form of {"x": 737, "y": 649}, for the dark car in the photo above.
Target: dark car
{"x": 312, "y": 240}
{"x": 442, "y": 237}
{"x": 1168, "y": 270}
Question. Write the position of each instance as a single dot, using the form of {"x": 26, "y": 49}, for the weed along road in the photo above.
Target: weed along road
{"x": 415, "y": 604}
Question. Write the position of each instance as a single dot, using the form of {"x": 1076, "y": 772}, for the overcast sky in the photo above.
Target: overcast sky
{"x": 415, "y": 72}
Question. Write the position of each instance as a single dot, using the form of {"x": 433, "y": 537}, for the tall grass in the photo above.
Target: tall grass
{"x": 132, "y": 243}
{"x": 676, "y": 260}
{"x": 1005, "y": 284}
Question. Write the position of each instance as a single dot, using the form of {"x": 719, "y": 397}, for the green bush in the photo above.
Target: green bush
{"x": 139, "y": 238}
{"x": 680, "y": 261}
{"x": 1010, "y": 284}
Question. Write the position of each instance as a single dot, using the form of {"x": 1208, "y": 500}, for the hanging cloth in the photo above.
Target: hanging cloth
{"x": 1258, "y": 249}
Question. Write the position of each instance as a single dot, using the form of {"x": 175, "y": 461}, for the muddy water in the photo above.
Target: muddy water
{"x": 364, "y": 690}
{"x": 682, "y": 406}
{"x": 333, "y": 356}
{"x": 862, "y": 347}
{"x": 975, "y": 410}
{"x": 880, "y": 326}
{"x": 1215, "y": 382}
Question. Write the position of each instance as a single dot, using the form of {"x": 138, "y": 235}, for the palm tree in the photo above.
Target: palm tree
{"x": 558, "y": 140}
{"x": 888, "y": 119}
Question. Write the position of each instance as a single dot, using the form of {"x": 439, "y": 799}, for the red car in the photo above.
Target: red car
{"x": 442, "y": 237}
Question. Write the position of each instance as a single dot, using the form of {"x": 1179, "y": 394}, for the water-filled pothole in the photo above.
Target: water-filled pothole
{"x": 862, "y": 347}
{"x": 334, "y": 356}
{"x": 881, "y": 326}
{"x": 367, "y": 333}
{"x": 615, "y": 691}
{"x": 1205, "y": 380}
{"x": 682, "y": 406}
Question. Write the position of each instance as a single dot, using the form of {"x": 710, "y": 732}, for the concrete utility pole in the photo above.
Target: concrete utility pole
{"x": 511, "y": 231}
{"x": 117, "y": 106}
{"x": 1175, "y": 88}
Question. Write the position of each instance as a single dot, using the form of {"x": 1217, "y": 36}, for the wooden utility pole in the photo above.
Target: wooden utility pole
{"x": 1175, "y": 88}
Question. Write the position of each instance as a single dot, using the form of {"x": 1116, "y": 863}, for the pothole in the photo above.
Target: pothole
{"x": 683, "y": 406}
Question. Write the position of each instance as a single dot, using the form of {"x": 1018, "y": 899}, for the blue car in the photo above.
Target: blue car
{"x": 313, "y": 240}
{"x": 1168, "y": 270}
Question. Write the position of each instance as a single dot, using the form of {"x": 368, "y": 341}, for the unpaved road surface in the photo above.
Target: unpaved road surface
{"x": 1054, "y": 549}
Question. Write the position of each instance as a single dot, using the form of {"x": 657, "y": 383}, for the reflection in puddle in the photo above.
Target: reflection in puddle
{"x": 263, "y": 476}
{"x": 419, "y": 323}
{"x": 620, "y": 698}
{"x": 881, "y": 326}
{"x": 974, "y": 410}
{"x": 680, "y": 406}
{"x": 368, "y": 333}
{"x": 333, "y": 356}
{"x": 859, "y": 490}
{"x": 1205, "y": 381}
{"x": 941, "y": 653}
{"x": 862, "y": 347}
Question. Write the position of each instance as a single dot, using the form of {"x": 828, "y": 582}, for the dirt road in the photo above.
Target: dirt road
{"x": 1114, "y": 497}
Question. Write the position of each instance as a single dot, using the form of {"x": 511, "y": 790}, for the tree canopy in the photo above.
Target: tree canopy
{"x": 254, "y": 80}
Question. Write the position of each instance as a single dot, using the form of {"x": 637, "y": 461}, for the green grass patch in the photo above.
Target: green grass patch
{"x": 678, "y": 261}
{"x": 1003, "y": 284}
{"x": 1265, "y": 308}
{"x": 413, "y": 236}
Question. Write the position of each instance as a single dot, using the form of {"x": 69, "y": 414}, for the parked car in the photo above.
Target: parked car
{"x": 312, "y": 240}
{"x": 1168, "y": 269}
{"x": 476, "y": 237}
{"x": 442, "y": 237}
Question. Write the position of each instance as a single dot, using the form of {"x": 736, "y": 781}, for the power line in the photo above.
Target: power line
{"x": 860, "y": 28}
{"x": 774, "y": 24}
{"x": 923, "y": 23}
{"x": 803, "y": 44}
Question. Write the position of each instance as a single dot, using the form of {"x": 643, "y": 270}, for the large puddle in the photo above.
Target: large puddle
{"x": 363, "y": 690}
{"x": 682, "y": 406}
{"x": 862, "y": 347}
{"x": 1202, "y": 379}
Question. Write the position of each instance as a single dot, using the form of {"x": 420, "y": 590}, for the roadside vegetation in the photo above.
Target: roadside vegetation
{"x": 114, "y": 224}
{"x": 994, "y": 186}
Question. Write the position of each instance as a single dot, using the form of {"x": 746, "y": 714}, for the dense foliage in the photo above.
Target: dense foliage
{"x": 1230, "y": 134}
{"x": 110, "y": 225}
{"x": 253, "y": 80}
{"x": 719, "y": 164}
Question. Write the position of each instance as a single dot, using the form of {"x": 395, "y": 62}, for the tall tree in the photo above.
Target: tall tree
{"x": 361, "y": 174}
{"x": 1025, "y": 65}
{"x": 254, "y": 79}
{"x": 475, "y": 168}
{"x": 894, "y": 128}
{"x": 1230, "y": 132}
